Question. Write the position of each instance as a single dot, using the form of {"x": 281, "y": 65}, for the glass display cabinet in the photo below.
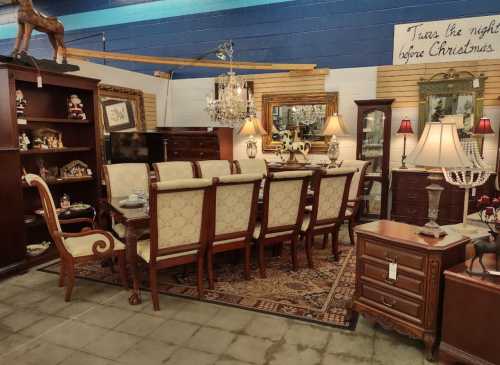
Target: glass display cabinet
{"x": 373, "y": 144}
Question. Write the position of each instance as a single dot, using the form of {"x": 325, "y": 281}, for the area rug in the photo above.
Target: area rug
{"x": 315, "y": 295}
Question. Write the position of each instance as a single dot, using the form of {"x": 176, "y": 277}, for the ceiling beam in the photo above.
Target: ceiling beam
{"x": 190, "y": 62}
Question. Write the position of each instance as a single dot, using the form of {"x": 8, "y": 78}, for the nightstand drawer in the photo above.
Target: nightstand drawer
{"x": 387, "y": 253}
{"x": 380, "y": 274}
{"x": 391, "y": 302}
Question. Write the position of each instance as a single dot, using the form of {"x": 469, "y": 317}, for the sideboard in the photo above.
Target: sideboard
{"x": 409, "y": 198}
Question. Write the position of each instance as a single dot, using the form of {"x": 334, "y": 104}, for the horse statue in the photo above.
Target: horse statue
{"x": 292, "y": 146}
{"x": 28, "y": 19}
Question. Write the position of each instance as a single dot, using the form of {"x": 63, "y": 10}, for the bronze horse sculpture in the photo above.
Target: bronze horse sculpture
{"x": 28, "y": 19}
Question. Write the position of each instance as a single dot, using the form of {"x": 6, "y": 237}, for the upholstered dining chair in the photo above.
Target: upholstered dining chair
{"x": 179, "y": 228}
{"x": 331, "y": 191}
{"x": 284, "y": 201}
{"x": 235, "y": 205}
{"x": 355, "y": 193}
{"x": 213, "y": 168}
{"x": 121, "y": 181}
{"x": 73, "y": 248}
{"x": 251, "y": 166}
{"x": 174, "y": 170}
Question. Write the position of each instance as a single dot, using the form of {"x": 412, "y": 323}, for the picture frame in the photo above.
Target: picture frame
{"x": 117, "y": 115}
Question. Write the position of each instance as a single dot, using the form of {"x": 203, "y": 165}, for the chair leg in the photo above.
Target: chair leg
{"x": 153, "y": 283}
{"x": 62, "y": 274}
{"x": 199, "y": 275}
{"x": 262, "y": 263}
{"x": 293, "y": 245}
{"x": 335, "y": 242}
{"x": 247, "y": 262}
{"x": 325, "y": 240}
{"x": 210, "y": 270}
{"x": 122, "y": 266}
{"x": 351, "y": 225}
{"x": 70, "y": 274}
{"x": 309, "y": 241}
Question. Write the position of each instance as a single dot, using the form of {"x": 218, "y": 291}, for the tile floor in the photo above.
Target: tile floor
{"x": 99, "y": 327}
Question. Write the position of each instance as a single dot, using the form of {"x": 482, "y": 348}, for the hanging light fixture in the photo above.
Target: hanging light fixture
{"x": 232, "y": 101}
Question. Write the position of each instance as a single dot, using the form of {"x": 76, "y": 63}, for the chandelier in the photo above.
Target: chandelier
{"x": 232, "y": 102}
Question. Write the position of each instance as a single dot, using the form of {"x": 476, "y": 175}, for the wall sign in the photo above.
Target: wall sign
{"x": 447, "y": 40}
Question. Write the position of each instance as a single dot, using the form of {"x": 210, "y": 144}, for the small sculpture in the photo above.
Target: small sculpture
{"x": 46, "y": 138}
{"x": 291, "y": 146}
{"x": 75, "y": 108}
{"x": 20, "y": 103}
{"x": 75, "y": 168}
{"x": 24, "y": 142}
{"x": 28, "y": 19}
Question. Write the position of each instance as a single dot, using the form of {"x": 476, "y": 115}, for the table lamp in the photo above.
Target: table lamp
{"x": 251, "y": 128}
{"x": 404, "y": 129}
{"x": 438, "y": 148}
{"x": 334, "y": 127}
{"x": 483, "y": 128}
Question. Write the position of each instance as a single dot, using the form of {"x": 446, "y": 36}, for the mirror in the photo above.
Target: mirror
{"x": 372, "y": 148}
{"x": 449, "y": 93}
{"x": 303, "y": 114}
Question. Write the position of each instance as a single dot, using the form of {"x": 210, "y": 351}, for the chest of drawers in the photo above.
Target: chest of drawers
{"x": 410, "y": 303}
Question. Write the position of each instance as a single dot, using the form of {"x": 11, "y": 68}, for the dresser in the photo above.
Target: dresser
{"x": 409, "y": 198}
{"x": 410, "y": 301}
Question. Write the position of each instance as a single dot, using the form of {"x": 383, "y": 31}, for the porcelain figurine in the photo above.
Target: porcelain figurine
{"x": 75, "y": 108}
{"x": 20, "y": 103}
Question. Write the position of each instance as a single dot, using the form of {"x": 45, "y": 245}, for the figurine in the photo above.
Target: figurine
{"x": 24, "y": 142}
{"x": 29, "y": 19}
{"x": 20, "y": 103}
{"x": 292, "y": 146}
{"x": 75, "y": 168}
{"x": 75, "y": 108}
{"x": 46, "y": 138}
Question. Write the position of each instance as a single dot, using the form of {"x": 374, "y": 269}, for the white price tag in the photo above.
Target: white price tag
{"x": 39, "y": 82}
{"x": 473, "y": 191}
{"x": 475, "y": 83}
{"x": 393, "y": 271}
{"x": 22, "y": 121}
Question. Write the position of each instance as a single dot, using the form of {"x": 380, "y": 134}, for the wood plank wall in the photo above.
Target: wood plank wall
{"x": 150, "y": 110}
{"x": 400, "y": 82}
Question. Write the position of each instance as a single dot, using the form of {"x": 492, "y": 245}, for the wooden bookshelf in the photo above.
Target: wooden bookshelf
{"x": 46, "y": 108}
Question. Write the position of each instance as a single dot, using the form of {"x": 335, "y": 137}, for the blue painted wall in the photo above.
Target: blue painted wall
{"x": 330, "y": 33}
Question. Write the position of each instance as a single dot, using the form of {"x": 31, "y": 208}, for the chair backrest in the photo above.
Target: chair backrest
{"x": 49, "y": 208}
{"x": 331, "y": 192}
{"x": 213, "y": 168}
{"x": 356, "y": 188}
{"x": 179, "y": 211}
{"x": 124, "y": 178}
{"x": 284, "y": 200}
{"x": 236, "y": 199}
{"x": 174, "y": 170}
{"x": 251, "y": 166}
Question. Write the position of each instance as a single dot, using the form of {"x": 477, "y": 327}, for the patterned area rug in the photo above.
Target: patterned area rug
{"x": 315, "y": 295}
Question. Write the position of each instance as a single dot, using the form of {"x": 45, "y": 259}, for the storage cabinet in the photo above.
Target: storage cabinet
{"x": 410, "y": 302}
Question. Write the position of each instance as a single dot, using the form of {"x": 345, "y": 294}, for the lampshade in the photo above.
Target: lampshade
{"x": 439, "y": 146}
{"x": 252, "y": 127}
{"x": 484, "y": 126}
{"x": 405, "y": 127}
{"x": 335, "y": 126}
{"x": 457, "y": 119}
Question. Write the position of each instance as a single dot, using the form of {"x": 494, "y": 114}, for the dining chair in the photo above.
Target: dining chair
{"x": 251, "y": 166}
{"x": 179, "y": 228}
{"x": 75, "y": 248}
{"x": 283, "y": 210}
{"x": 174, "y": 170}
{"x": 235, "y": 205}
{"x": 355, "y": 193}
{"x": 121, "y": 181}
{"x": 331, "y": 192}
{"x": 208, "y": 169}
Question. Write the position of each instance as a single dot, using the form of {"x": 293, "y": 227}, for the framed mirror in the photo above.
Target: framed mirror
{"x": 449, "y": 93}
{"x": 304, "y": 114}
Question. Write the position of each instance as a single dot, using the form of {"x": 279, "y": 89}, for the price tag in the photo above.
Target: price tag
{"x": 393, "y": 271}
{"x": 475, "y": 83}
{"x": 22, "y": 121}
{"x": 473, "y": 191}
{"x": 39, "y": 82}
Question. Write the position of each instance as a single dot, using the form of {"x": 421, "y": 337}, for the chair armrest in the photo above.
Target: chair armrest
{"x": 78, "y": 220}
{"x": 100, "y": 247}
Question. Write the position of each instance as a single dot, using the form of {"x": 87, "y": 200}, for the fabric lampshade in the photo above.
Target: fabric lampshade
{"x": 252, "y": 127}
{"x": 405, "y": 127}
{"x": 484, "y": 126}
{"x": 457, "y": 119}
{"x": 439, "y": 146}
{"x": 335, "y": 126}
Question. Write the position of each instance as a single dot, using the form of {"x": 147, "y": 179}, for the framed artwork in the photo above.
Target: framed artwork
{"x": 117, "y": 115}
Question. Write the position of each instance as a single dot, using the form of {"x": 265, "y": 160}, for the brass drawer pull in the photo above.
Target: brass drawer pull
{"x": 391, "y": 259}
{"x": 387, "y": 304}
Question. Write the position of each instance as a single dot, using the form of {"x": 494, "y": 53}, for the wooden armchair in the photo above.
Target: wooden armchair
{"x": 179, "y": 228}
{"x": 284, "y": 202}
{"x": 213, "y": 168}
{"x": 251, "y": 166}
{"x": 331, "y": 191}
{"x": 174, "y": 170}
{"x": 73, "y": 248}
{"x": 235, "y": 204}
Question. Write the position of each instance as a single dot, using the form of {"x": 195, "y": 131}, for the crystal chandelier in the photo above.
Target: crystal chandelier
{"x": 233, "y": 101}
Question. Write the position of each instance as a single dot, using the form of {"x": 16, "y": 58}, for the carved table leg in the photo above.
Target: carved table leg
{"x": 430, "y": 346}
{"x": 135, "y": 297}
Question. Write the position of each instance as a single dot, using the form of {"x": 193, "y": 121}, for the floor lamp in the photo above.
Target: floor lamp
{"x": 438, "y": 148}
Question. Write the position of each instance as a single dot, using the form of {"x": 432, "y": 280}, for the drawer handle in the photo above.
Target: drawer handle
{"x": 387, "y": 304}
{"x": 391, "y": 259}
